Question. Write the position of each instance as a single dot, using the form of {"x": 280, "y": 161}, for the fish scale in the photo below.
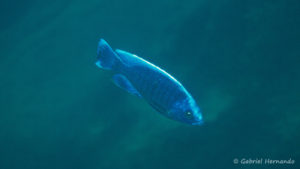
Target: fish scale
{"x": 159, "y": 93}
{"x": 146, "y": 85}
{"x": 143, "y": 82}
{"x": 156, "y": 90}
{"x": 165, "y": 95}
{"x": 135, "y": 78}
{"x": 164, "y": 92}
{"x": 150, "y": 77}
{"x": 156, "y": 87}
{"x": 171, "y": 93}
{"x": 171, "y": 96}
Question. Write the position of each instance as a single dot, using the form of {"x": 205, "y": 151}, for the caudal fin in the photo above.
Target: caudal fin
{"x": 106, "y": 57}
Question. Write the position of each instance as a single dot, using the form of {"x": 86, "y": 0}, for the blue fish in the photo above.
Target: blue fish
{"x": 145, "y": 80}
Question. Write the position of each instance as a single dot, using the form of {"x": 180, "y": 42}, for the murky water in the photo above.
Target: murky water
{"x": 239, "y": 59}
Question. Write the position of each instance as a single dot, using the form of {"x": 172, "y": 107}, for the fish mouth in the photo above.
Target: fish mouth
{"x": 198, "y": 120}
{"x": 197, "y": 123}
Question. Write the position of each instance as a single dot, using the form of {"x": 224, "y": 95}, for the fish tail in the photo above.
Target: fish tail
{"x": 106, "y": 57}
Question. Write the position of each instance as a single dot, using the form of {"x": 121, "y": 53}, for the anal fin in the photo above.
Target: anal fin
{"x": 122, "y": 82}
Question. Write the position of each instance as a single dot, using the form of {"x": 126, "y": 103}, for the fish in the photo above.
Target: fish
{"x": 149, "y": 82}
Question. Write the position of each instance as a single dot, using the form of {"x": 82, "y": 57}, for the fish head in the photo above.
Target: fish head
{"x": 187, "y": 111}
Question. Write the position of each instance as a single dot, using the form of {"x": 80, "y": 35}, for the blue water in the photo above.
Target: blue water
{"x": 239, "y": 59}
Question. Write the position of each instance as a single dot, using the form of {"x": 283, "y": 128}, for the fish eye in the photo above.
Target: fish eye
{"x": 188, "y": 114}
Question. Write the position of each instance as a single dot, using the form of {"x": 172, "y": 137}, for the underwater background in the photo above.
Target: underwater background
{"x": 239, "y": 59}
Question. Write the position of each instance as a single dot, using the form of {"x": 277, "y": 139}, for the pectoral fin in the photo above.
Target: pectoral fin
{"x": 122, "y": 82}
{"x": 157, "y": 107}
